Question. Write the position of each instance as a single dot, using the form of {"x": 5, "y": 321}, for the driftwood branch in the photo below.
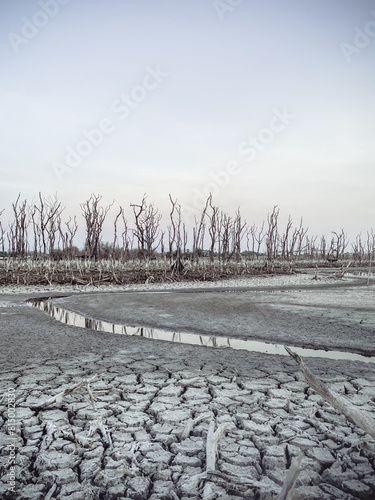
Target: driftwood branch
{"x": 340, "y": 403}
{"x": 287, "y": 490}
{"x": 191, "y": 423}
{"x": 213, "y": 438}
{"x": 59, "y": 397}
{"x": 98, "y": 425}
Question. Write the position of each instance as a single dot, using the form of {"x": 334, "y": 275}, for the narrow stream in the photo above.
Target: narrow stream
{"x": 75, "y": 319}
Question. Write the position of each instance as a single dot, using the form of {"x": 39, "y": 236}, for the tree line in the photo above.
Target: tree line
{"x": 39, "y": 230}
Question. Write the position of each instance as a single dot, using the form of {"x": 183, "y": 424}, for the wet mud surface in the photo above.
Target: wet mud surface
{"x": 342, "y": 318}
{"x": 145, "y": 435}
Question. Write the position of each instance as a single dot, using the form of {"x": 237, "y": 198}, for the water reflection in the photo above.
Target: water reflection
{"x": 76, "y": 319}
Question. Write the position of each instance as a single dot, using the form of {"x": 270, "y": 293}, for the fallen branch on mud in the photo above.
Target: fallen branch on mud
{"x": 232, "y": 484}
{"x": 336, "y": 275}
{"x": 194, "y": 483}
{"x": 213, "y": 438}
{"x": 191, "y": 423}
{"x": 76, "y": 388}
{"x": 340, "y": 403}
{"x": 287, "y": 490}
{"x": 98, "y": 425}
{"x": 340, "y": 274}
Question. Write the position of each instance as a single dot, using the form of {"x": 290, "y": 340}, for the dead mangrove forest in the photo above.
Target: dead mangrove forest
{"x": 38, "y": 244}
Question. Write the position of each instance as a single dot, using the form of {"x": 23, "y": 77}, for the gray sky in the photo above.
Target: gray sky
{"x": 263, "y": 103}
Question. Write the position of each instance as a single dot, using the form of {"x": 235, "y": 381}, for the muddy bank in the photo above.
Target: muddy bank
{"x": 339, "y": 318}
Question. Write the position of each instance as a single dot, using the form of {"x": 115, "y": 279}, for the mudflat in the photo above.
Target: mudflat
{"x": 145, "y": 436}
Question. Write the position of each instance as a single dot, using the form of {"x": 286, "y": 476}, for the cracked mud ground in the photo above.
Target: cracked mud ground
{"x": 146, "y": 436}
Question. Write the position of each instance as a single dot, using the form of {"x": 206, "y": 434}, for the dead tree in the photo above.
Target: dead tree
{"x": 340, "y": 243}
{"x": 126, "y": 241}
{"x": 147, "y": 221}
{"x": 36, "y": 231}
{"x": 184, "y": 239}
{"x": 213, "y": 231}
{"x": 237, "y": 234}
{"x": 46, "y": 225}
{"x": 115, "y": 238}
{"x": 225, "y": 236}
{"x": 284, "y": 240}
{"x": 294, "y": 240}
{"x": 18, "y": 228}
{"x": 199, "y": 230}
{"x": 301, "y": 236}
{"x": 174, "y": 230}
{"x": 53, "y": 223}
{"x": 177, "y": 237}
{"x": 161, "y": 243}
{"x": 311, "y": 248}
{"x": 94, "y": 216}
{"x": 370, "y": 244}
{"x": 323, "y": 246}
{"x": 2, "y": 234}
{"x": 67, "y": 236}
{"x": 272, "y": 233}
{"x": 358, "y": 248}
{"x": 259, "y": 238}
{"x": 251, "y": 231}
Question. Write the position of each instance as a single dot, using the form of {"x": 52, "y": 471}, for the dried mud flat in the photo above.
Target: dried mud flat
{"x": 145, "y": 434}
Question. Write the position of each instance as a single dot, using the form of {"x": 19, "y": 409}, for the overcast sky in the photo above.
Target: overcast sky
{"x": 263, "y": 103}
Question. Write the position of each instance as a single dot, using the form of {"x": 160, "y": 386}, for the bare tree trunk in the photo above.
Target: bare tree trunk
{"x": 260, "y": 238}
{"x": 2, "y": 234}
{"x": 238, "y": 231}
{"x": 147, "y": 220}
{"x": 175, "y": 230}
{"x": 94, "y": 216}
{"x": 370, "y": 244}
{"x": 272, "y": 233}
{"x": 323, "y": 246}
{"x": 225, "y": 235}
{"x": 67, "y": 237}
{"x": 20, "y": 228}
{"x": 213, "y": 228}
{"x": 115, "y": 239}
{"x": 284, "y": 240}
{"x": 198, "y": 231}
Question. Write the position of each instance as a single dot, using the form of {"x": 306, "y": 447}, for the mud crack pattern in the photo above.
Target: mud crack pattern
{"x": 146, "y": 437}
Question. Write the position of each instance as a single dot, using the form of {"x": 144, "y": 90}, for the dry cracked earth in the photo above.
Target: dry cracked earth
{"x": 138, "y": 429}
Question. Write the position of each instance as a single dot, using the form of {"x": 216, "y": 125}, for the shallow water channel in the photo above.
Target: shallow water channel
{"x": 78, "y": 320}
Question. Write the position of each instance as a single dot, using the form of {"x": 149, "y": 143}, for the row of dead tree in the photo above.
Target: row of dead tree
{"x": 38, "y": 230}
